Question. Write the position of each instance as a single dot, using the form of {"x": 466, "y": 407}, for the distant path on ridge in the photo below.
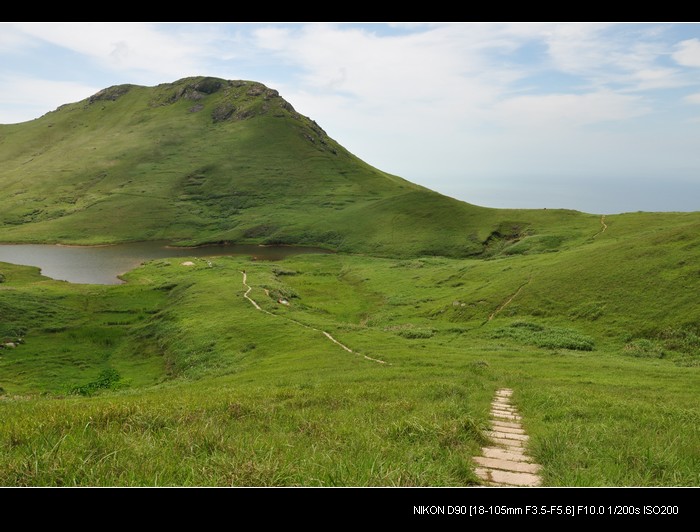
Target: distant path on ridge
{"x": 327, "y": 335}
{"x": 603, "y": 224}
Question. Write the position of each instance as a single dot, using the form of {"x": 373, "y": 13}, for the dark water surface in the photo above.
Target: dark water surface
{"x": 102, "y": 264}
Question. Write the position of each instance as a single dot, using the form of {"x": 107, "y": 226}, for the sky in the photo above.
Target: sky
{"x": 601, "y": 118}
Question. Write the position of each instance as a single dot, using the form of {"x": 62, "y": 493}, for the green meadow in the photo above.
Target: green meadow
{"x": 175, "y": 378}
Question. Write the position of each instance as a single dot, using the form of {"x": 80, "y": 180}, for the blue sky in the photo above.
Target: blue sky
{"x": 602, "y": 118}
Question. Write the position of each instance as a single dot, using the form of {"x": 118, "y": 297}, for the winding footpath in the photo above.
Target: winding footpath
{"x": 505, "y": 463}
{"x": 603, "y": 225}
{"x": 327, "y": 335}
{"x": 249, "y": 288}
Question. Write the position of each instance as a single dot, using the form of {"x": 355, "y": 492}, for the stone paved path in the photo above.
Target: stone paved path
{"x": 505, "y": 463}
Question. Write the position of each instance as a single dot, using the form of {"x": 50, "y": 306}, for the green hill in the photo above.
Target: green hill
{"x": 206, "y": 160}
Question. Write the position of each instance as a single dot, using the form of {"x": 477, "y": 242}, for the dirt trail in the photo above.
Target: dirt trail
{"x": 249, "y": 288}
{"x": 603, "y": 225}
{"x": 505, "y": 463}
{"x": 327, "y": 335}
{"x": 507, "y": 302}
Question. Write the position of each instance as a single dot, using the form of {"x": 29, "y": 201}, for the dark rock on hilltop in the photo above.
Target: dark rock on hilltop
{"x": 110, "y": 93}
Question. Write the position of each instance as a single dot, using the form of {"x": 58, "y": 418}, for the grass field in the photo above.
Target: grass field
{"x": 176, "y": 379}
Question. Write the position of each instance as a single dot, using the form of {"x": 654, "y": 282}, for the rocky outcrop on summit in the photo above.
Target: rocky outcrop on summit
{"x": 235, "y": 99}
{"x": 110, "y": 93}
{"x": 197, "y": 89}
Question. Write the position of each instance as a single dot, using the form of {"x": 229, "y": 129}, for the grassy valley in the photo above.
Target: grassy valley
{"x": 247, "y": 398}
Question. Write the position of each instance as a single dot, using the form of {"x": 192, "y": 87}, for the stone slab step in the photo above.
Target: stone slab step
{"x": 507, "y": 465}
{"x": 508, "y": 444}
{"x": 506, "y": 415}
{"x": 501, "y": 428}
{"x": 505, "y": 409}
{"x": 507, "y": 477}
{"x": 505, "y": 454}
{"x": 506, "y": 424}
{"x": 507, "y": 435}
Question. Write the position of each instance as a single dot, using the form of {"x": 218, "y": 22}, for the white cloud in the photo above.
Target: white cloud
{"x": 12, "y": 39}
{"x": 122, "y": 46}
{"x": 428, "y": 65}
{"x": 272, "y": 38}
{"x": 569, "y": 110}
{"x": 448, "y": 99}
{"x": 688, "y": 53}
{"x": 658, "y": 78}
{"x": 459, "y": 72}
{"x": 387, "y": 98}
{"x": 577, "y": 48}
{"x": 627, "y": 57}
{"x": 23, "y": 98}
{"x": 693, "y": 98}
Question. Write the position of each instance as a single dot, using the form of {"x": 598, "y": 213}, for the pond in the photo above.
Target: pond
{"x": 102, "y": 264}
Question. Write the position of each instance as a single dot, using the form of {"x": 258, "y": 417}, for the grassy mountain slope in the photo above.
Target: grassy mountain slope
{"x": 204, "y": 159}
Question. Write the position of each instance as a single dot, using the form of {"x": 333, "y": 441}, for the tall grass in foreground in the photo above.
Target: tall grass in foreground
{"x": 298, "y": 433}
